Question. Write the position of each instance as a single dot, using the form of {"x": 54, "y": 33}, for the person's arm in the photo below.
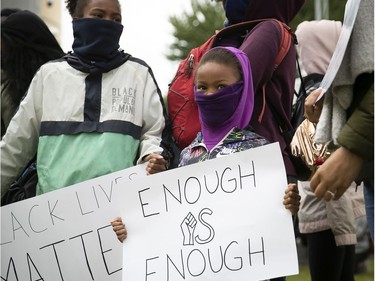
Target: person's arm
{"x": 153, "y": 119}
{"x": 336, "y": 174}
{"x": 292, "y": 198}
{"x": 19, "y": 144}
{"x": 119, "y": 228}
{"x": 357, "y": 135}
{"x": 155, "y": 163}
{"x": 313, "y": 108}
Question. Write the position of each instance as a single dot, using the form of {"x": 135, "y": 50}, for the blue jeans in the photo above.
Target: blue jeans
{"x": 369, "y": 203}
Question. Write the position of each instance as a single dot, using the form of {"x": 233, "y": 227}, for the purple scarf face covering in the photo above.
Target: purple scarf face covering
{"x": 228, "y": 108}
{"x": 217, "y": 108}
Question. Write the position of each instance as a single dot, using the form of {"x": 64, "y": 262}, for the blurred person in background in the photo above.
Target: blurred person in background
{"x": 328, "y": 226}
{"x": 346, "y": 117}
{"x": 26, "y": 44}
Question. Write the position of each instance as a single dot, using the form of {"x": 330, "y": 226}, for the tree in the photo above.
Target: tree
{"x": 191, "y": 29}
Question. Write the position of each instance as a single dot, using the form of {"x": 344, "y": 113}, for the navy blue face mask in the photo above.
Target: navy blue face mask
{"x": 96, "y": 40}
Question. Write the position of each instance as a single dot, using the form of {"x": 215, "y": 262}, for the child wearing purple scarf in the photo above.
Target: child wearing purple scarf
{"x": 224, "y": 94}
{"x": 225, "y": 98}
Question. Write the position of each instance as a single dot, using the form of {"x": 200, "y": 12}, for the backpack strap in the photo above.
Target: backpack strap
{"x": 286, "y": 39}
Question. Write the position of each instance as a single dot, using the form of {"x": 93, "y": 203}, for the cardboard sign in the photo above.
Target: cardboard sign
{"x": 65, "y": 234}
{"x": 221, "y": 219}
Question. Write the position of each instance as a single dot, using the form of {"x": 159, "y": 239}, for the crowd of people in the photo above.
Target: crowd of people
{"x": 61, "y": 109}
{"x": 328, "y": 226}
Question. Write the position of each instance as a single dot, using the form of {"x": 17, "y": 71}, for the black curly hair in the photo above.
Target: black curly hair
{"x": 21, "y": 63}
{"x": 222, "y": 56}
{"x": 75, "y": 7}
{"x": 24, "y": 50}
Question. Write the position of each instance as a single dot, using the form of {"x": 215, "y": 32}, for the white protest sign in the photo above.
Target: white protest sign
{"x": 221, "y": 219}
{"x": 65, "y": 234}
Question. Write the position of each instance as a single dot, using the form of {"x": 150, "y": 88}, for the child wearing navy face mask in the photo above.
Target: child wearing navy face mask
{"x": 96, "y": 111}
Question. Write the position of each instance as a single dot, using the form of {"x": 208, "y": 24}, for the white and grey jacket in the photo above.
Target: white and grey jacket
{"x": 83, "y": 124}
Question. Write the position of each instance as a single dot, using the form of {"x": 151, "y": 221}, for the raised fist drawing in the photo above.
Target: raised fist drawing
{"x": 188, "y": 227}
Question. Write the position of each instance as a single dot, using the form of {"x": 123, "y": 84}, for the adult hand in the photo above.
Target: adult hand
{"x": 313, "y": 108}
{"x": 292, "y": 198}
{"x": 119, "y": 228}
{"x": 156, "y": 163}
{"x": 336, "y": 174}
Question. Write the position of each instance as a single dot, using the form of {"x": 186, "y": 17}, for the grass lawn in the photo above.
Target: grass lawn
{"x": 304, "y": 274}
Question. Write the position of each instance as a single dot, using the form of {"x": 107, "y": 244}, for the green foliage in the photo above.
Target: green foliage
{"x": 191, "y": 29}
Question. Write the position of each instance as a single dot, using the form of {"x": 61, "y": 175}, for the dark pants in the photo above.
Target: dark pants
{"x": 327, "y": 261}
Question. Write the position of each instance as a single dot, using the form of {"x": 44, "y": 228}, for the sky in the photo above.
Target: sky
{"x": 147, "y": 34}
